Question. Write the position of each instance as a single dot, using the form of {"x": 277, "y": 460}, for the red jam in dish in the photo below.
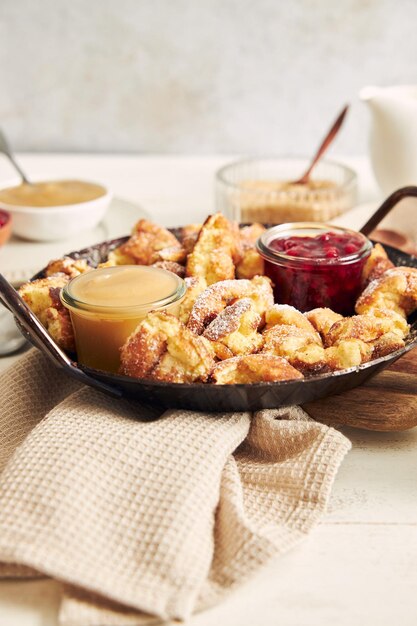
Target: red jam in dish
{"x": 323, "y": 269}
{"x": 4, "y": 218}
{"x": 324, "y": 246}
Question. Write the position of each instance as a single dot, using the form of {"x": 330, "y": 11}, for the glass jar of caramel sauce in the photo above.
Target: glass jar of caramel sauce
{"x": 106, "y": 305}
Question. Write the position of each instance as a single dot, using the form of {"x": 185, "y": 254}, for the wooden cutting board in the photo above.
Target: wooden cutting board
{"x": 387, "y": 402}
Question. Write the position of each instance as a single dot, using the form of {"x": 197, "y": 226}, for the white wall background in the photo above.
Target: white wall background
{"x": 196, "y": 76}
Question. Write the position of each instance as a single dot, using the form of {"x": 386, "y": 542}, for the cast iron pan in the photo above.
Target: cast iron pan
{"x": 206, "y": 397}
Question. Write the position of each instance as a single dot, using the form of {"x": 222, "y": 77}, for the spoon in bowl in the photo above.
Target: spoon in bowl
{"x": 5, "y": 149}
{"x": 323, "y": 146}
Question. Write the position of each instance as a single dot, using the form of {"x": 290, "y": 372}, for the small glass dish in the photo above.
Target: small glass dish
{"x": 257, "y": 190}
{"x": 311, "y": 280}
{"x": 103, "y": 320}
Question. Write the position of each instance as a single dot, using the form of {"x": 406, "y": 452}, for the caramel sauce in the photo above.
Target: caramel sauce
{"x": 123, "y": 286}
{"x": 107, "y": 304}
{"x": 51, "y": 193}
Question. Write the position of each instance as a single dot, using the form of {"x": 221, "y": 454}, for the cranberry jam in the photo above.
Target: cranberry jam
{"x": 4, "y": 218}
{"x": 315, "y": 265}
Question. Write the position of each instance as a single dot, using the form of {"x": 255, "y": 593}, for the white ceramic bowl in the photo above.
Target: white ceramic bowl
{"x": 53, "y": 223}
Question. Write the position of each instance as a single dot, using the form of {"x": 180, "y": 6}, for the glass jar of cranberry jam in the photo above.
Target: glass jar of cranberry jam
{"x": 315, "y": 265}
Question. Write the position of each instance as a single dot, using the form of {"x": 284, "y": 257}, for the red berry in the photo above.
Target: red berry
{"x": 350, "y": 248}
{"x": 332, "y": 253}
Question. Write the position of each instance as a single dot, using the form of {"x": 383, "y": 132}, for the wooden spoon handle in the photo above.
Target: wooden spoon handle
{"x": 324, "y": 145}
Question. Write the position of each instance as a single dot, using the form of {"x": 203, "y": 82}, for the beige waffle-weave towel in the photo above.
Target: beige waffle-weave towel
{"x": 145, "y": 519}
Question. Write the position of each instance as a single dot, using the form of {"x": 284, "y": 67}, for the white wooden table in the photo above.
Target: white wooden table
{"x": 360, "y": 565}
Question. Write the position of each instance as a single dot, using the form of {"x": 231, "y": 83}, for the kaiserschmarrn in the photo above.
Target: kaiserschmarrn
{"x": 228, "y": 329}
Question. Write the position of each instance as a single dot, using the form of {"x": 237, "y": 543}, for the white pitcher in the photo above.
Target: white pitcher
{"x": 393, "y": 135}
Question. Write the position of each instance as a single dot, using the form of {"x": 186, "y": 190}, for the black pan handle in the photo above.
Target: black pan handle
{"x": 386, "y": 207}
{"x": 44, "y": 341}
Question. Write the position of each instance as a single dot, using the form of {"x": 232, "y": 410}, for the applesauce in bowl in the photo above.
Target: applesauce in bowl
{"x": 55, "y": 209}
{"x": 51, "y": 193}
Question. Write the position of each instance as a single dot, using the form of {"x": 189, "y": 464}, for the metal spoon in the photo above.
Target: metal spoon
{"x": 5, "y": 149}
{"x": 323, "y": 146}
